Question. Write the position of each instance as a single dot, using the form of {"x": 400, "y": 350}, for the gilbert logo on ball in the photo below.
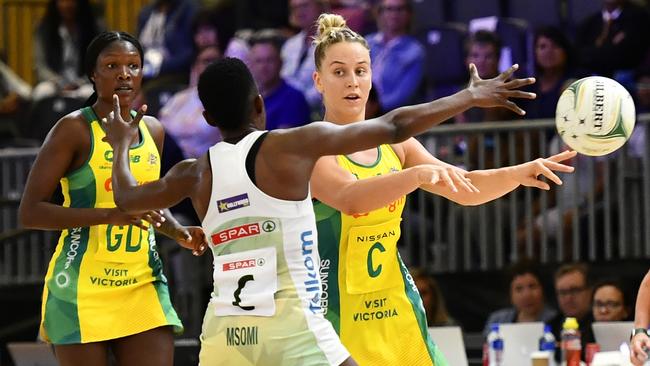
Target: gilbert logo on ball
{"x": 595, "y": 115}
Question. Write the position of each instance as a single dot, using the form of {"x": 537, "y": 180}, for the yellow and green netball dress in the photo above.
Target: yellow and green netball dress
{"x": 105, "y": 281}
{"x": 369, "y": 296}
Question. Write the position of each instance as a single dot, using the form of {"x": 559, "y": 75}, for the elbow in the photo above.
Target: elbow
{"x": 350, "y": 208}
{"x": 25, "y": 217}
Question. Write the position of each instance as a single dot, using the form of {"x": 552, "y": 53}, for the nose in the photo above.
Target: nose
{"x": 124, "y": 73}
{"x": 353, "y": 81}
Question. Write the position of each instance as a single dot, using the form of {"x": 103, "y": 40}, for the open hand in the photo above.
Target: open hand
{"x": 117, "y": 129}
{"x": 194, "y": 239}
{"x": 449, "y": 176}
{"x": 527, "y": 174}
{"x": 497, "y": 91}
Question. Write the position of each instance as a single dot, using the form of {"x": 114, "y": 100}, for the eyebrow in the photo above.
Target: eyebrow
{"x": 343, "y": 63}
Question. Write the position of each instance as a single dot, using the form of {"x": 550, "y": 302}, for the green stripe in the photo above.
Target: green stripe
{"x": 413, "y": 295}
{"x": 61, "y": 310}
{"x": 160, "y": 284}
{"x": 364, "y": 165}
{"x": 328, "y": 223}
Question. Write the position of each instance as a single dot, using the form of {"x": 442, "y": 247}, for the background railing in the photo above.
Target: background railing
{"x": 599, "y": 214}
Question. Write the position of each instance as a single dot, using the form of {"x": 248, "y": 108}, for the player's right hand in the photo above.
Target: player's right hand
{"x": 496, "y": 92}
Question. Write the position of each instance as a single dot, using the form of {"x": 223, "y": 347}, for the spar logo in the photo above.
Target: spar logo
{"x": 244, "y": 263}
{"x": 233, "y": 203}
{"x": 242, "y": 231}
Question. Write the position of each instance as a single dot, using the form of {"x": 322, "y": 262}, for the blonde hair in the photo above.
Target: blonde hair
{"x": 332, "y": 29}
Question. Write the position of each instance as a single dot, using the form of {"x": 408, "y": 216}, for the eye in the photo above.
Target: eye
{"x": 338, "y": 72}
{"x": 134, "y": 66}
{"x": 361, "y": 72}
{"x": 111, "y": 65}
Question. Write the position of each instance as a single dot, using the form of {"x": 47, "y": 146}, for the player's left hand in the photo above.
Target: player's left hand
{"x": 117, "y": 129}
{"x": 194, "y": 239}
{"x": 527, "y": 174}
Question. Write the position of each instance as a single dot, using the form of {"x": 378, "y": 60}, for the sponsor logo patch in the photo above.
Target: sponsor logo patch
{"x": 233, "y": 203}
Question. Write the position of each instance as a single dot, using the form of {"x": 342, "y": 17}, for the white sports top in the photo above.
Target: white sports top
{"x": 266, "y": 267}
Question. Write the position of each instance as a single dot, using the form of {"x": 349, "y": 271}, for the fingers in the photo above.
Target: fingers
{"x": 520, "y": 94}
{"x": 545, "y": 171}
{"x": 533, "y": 182}
{"x": 514, "y": 107}
{"x": 518, "y": 83}
{"x": 139, "y": 223}
{"x": 473, "y": 72}
{"x": 116, "y": 106}
{"x": 448, "y": 181}
{"x": 508, "y": 73}
{"x": 564, "y": 155}
{"x": 139, "y": 115}
{"x": 156, "y": 218}
{"x": 559, "y": 167}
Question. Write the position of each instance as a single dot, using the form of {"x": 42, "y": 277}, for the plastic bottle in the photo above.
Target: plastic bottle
{"x": 495, "y": 346}
{"x": 571, "y": 345}
{"x": 547, "y": 343}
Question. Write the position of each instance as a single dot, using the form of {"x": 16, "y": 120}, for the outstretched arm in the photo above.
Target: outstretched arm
{"x": 320, "y": 139}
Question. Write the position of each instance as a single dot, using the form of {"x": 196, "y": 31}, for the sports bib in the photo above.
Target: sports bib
{"x": 371, "y": 253}
{"x": 246, "y": 283}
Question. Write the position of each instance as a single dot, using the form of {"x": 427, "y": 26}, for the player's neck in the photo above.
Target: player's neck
{"x": 343, "y": 118}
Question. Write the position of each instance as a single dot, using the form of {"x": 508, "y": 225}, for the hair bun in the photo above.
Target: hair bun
{"x": 328, "y": 23}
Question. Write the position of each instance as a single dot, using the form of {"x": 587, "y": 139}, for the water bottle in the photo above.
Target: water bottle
{"x": 547, "y": 343}
{"x": 495, "y": 346}
{"x": 571, "y": 345}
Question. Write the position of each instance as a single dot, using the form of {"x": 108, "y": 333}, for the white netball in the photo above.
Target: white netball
{"x": 595, "y": 115}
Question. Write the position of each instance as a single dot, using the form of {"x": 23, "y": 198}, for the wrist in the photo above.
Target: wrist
{"x": 637, "y": 331}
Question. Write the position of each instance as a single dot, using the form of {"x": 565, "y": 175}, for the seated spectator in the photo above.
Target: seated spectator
{"x": 526, "y": 297}
{"x": 285, "y": 105}
{"x": 613, "y": 39}
{"x": 573, "y": 290}
{"x": 182, "y": 116}
{"x": 356, "y": 13}
{"x": 15, "y": 95}
{"x": 432, "y": 299}
{"x": 610, "y": 303}
{"x": 397, "y": 58}
{"x": 298, "y": 63}
{"x": 553, "y": 62}
{"x": 59, "y": 47}
{"x": 165, "y": 31}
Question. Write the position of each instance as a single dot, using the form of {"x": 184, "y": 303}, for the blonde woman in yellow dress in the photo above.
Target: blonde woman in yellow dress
{"x": 369, "y": 296}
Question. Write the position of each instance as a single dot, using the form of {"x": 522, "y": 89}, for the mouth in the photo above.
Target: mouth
{"x": 123, "y": 89}
{"x": 352, "y": 97}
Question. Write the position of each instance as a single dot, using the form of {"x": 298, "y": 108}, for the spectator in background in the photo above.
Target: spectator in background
{"x": 526, "y": 297}
{"x": 609, "y": 303}
{"x": 298, "y": 51}
{"x": 205, "y": 30}
{"x": 356, "y": 13}
{"x": 182, "y": 116}
{"x": 432, "y": 299}
{"x": 614, "y": 39}
{"x": 573, "y": 291}
{"x": 397, "y": 58}
{"x": 59, "y": 47}
{"x": 553, "y": 69}
{"x": 15, "y": 95}
{"x": 239, "y": 47}
{"x": 285, "y": 105}
{"x": 165, "y": 30}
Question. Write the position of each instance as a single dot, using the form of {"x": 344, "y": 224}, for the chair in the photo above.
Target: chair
{"x": 428, "y": 13}
{"x": 463, "y": 11}
{"x": 450, "y": 342}
{"x": 536, "y": 13}
{"x": 45, "y": 113}
{"x": 444, "y": 57}
{"x": 516, "y": 36}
